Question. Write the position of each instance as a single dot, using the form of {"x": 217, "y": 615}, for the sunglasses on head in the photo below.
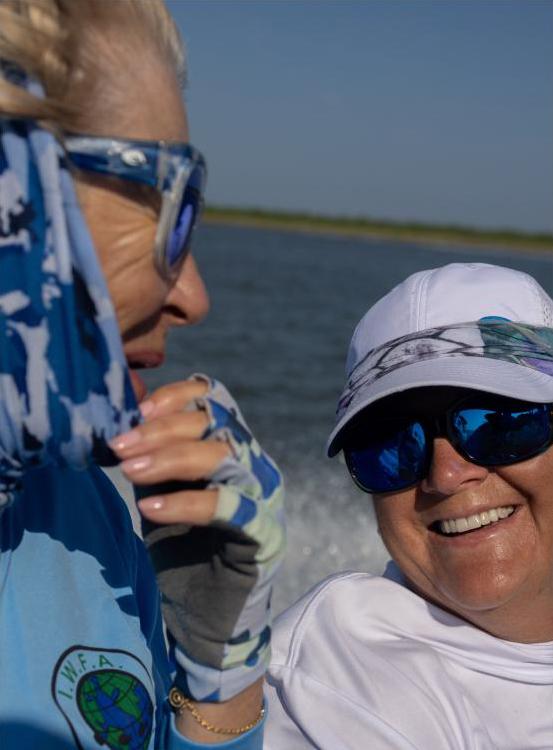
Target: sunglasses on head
{"x": 389, "y": 455}
{"x": 177, "y": 170}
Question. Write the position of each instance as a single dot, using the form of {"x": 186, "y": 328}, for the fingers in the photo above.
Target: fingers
{"x": 181, "y": 462}
{"x": 193, "y": 507}
{"x": 173, "y": 397}
{"x": 167, "y": 430}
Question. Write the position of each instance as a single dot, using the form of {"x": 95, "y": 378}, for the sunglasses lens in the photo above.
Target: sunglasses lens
{"x": 398, "y": 459}
{"x": 178, "y": 241}
{"x": 496, "y": 437}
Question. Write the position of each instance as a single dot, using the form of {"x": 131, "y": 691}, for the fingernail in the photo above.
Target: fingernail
{"x": 132, "y": 465}
{"x": 146, "y": 407}
{"x": 151, "y": 503}
{"x": 121, "y": 442}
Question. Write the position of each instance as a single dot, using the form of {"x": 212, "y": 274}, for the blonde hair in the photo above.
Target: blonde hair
{"x": 82, "y": 52}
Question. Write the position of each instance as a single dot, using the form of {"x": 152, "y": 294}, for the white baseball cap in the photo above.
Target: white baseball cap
{"x": 471, "y": 325}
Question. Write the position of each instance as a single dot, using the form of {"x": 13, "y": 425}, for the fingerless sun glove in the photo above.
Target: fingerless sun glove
{"x": 216, "y": 581}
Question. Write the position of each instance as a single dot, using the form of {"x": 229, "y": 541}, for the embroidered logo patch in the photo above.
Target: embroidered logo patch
{"x": 106, "y": 697}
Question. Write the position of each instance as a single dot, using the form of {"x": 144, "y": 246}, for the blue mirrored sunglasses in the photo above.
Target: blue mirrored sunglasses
{"x": 485, "y": 430}
{"x": 177, "y": 170}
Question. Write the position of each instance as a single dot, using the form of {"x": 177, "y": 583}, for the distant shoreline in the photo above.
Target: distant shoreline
{"x": 365, "y": 228}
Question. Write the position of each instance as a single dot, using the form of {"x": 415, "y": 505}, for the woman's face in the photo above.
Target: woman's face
{"x": 505, "y": 567}
{"x": 122, "y": 219}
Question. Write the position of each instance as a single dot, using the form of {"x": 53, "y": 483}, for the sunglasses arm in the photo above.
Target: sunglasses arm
{"x": 113, "y": 158}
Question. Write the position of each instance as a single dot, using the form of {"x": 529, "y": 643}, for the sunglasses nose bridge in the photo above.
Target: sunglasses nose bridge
{"x": 435, "y": 426}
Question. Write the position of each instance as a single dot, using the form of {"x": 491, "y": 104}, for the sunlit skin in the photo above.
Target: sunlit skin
{"x": 499, "y": 578}
{"x": 123, "y": 220}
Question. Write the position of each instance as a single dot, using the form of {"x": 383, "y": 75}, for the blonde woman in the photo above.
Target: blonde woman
{"x": 100, "y": 192}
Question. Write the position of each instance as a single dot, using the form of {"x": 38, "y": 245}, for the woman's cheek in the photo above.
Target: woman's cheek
{"x": 137, "y": 290}
{"x": 123, "y": 232}
{"x": 401, "y": 532}
{"x": 138, "y": 293}
{"x": 390, "y": 525}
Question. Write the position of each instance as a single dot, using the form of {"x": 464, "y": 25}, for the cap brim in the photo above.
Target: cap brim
{"x": 480, "y": 373}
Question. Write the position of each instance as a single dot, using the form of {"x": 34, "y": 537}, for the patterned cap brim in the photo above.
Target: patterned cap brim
{"x": 480, "y": 373}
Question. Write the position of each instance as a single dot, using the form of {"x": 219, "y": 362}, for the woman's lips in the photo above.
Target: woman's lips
{"x": 145, "y": 359}
{"x": 483, "y": 534}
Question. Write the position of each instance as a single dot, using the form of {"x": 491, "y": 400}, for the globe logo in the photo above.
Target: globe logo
{"x": 117, "y": 707}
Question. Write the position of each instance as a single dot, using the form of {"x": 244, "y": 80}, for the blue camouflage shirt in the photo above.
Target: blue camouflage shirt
{"x": 83, "y": 662}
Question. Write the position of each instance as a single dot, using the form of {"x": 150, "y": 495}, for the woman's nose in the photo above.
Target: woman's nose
{"x": 188, "y": 301}
{"x": 449, "y": 472}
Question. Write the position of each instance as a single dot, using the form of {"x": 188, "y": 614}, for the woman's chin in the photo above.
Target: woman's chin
{"x": 139, "y": 386}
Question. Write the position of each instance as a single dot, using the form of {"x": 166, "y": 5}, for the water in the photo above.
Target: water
{"x": 284, "y": 305}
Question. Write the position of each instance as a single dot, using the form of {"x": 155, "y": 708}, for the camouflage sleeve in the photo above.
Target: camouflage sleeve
{"x": 216, "y": 581}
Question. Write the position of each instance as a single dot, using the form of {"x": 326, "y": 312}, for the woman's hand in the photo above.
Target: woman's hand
{"x": 168, "y": 448}
{"x": 214, "y": 527}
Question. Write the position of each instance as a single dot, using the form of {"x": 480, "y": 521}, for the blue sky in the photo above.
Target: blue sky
{"x": 428, "y": 110}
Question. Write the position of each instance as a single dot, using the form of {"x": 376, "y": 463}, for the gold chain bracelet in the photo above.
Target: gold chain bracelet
{"x": 178, "y": 701}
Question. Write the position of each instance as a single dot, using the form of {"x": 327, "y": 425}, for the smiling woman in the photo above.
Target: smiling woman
{"x": 447, "y": 420}
{"x": 475, "y": 537}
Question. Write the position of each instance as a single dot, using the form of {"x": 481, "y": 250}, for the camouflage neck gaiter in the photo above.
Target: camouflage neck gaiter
{"x": 64, "y": 384}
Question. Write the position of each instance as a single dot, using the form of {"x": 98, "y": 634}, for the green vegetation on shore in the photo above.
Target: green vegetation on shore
{"x": 365, "y": 227}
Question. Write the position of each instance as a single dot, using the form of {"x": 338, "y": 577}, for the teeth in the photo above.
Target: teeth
{"x": 462, "y": 524}
{"x": 459, "y": 525}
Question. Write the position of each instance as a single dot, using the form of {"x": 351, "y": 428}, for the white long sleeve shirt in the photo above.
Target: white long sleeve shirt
{"x": 364, "y": 662}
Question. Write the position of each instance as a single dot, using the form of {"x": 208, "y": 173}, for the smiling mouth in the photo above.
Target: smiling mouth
{"x": 460, "y": 526}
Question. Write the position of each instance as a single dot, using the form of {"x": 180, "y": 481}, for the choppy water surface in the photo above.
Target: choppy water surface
{"x": 284, "y": 306}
